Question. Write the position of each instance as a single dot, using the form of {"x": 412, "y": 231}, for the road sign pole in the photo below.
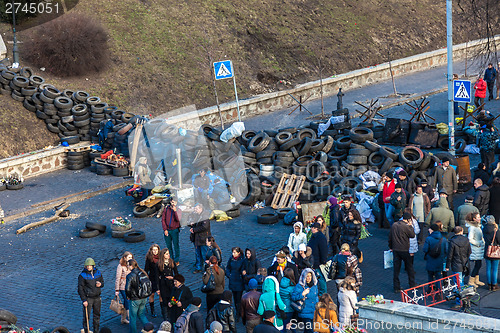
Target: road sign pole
{"x": 236, "y": 94}
{"x": 449, "y": 44}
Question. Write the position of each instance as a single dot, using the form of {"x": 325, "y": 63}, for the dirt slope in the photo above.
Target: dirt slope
{"x": 160, "y": 48}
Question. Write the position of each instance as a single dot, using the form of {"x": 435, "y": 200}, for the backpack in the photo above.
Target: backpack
{"x": 181, "y": 325}
{"x": 145, "y": 288}
{"x": 435, "y": 252}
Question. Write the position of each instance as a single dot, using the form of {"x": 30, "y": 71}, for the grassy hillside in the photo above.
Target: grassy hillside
{"x": 161, "y": 48}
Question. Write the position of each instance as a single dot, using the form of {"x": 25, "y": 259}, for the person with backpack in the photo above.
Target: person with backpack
{"x": 214, "y": 296}
{"x": 435, "y": 251}
{"x": 90, "y": 282}
{"x": 179, "y": 299}
{"x": 344, "y": 263}
{"x": 191, "y": 320}
{"x": 224, "y": 313}
{"x": 137, "y": 288}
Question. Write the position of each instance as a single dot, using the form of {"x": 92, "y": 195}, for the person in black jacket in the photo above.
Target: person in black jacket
{"x": 250, "y": 265}
{"x": 267, "y": 325}
{"x": 335, "y": 224}
{"x": 224, "y": 313}
{"x": 459, "y": 251}
{"x": 481, "y": 197}
{"x": 352, "y": 231}
{"x": 319, "y": 248}
{"x": 200, "y": 230}
{"x": 180, "y": 298}
{"x": 137, "y": 301}
{"x": 90, "y": 282}
{"x": 481, "y": 173}
{"x": 213, "y": 249}
{"x": 345, "y": 209}
{"x": 399, "y": 243}
{"x": 303, "y": 258}
{"x": 151, "y": 269}
{"x": 278, "y": 268}
{"x": 167, "y": 269}
{"x": 233, "y": 273}
{"x": 494, "y": 207}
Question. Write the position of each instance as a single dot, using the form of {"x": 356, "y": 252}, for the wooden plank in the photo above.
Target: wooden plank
{"x": 150, "y": 201}
{"x": 103, "y": 161}
{"x": 135, "y": 145}
{"x": 79, "y": 149}
{"x": 288, "y": 190}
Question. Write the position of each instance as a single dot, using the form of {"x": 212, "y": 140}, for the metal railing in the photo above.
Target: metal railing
{"x": 432, "y": 293}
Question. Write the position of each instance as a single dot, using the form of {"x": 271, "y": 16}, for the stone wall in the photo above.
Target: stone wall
{"x": 36, "y": 163}
{"x": 411, "y": 318}
{"x": 278, "y": 100}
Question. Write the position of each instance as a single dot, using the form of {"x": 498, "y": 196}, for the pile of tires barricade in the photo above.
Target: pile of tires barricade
{"x": 332, "y": 166}
{"x": 73, "y": 115}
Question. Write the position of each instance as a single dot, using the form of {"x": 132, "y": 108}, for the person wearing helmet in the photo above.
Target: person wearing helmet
{"x": 90, "y": 282}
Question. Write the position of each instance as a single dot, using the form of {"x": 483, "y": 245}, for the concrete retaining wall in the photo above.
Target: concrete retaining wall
{"x": 278, "y": 100}
{"x": 411, "y": 318}
{"x": 36, "y": 163}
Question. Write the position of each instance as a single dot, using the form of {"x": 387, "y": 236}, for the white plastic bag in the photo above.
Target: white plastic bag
{"x": 388, "y": 259}
{"x": 232, "y": 132}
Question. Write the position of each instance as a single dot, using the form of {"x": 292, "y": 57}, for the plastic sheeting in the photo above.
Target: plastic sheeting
{"x": 370, "y": 178}
{"x": 364, "y": 207}
{"x": 232, "y": 132}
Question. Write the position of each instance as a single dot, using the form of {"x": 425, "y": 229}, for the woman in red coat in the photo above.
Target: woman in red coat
{"x": 480, "y": 93}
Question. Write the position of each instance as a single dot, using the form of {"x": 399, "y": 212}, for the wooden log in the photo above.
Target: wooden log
{"x": 44, "y": 221}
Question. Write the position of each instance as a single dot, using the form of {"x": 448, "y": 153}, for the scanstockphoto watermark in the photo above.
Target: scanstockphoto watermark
{"x": 468, "y": 323}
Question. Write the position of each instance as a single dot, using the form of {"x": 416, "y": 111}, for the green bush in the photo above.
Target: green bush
{"x": 71, "y": 45}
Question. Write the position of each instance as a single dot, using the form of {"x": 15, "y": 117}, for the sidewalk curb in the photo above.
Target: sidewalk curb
{"x": 67, "y": 199}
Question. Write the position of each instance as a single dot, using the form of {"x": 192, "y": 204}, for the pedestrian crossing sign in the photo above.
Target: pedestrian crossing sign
{"x": 223, "y": 70}
{"x": 462, "y": 91}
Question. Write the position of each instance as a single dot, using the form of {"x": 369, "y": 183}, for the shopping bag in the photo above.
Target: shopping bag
{"x": 116, "y": 305}
{"x": 388, "y": 259}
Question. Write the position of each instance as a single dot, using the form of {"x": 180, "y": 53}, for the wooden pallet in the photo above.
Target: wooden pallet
{"x": 150, "y": 201}
{"x": 103, "y": 161}
{"x": 288, "y": 191}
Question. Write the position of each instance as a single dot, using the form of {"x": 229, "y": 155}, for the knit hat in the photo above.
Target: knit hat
{"x": 445, "y": 159}
{"x": 469, "y": 198}
{"x": 165, "y": 326}
{"x": 423, "y": 181}
{"x": 281, "y": 254}
{"x": 333, "y": 201}
{"x": 227, "y": 295}
{"x": 268, "y": 314}
{"x": 389, "y": 175}
{"x": 398, "y": 185}
{"x": 215, "y": 326}
{"x": 196, "y": 301}
{"x": 403, "y": 173}
{"x": 180, "y": 278}
{"x": 302, "y": 247}
{"x": 253, "y": 284}
{"x": 316, "y": 225}
{"x": 148, "y": 327}
{"x": 443, "y": 191}
{"x": 407, "y": 216}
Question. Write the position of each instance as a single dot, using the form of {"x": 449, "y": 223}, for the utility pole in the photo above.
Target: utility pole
{"x": 449, "y": 47}
{"x": 15, "y": 52}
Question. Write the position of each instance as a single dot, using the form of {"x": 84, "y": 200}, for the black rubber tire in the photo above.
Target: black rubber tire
{"x": 321, "y": 156}
{"x": 51, "y": 92}
{"x": 87, "y": 233}
{"x": 386, "y": 166}
{"x": 62, "y": 102}
{"x": 282, "y": 212}
{"x": 371, "y": 146}
{"x": 264, "y": 154}
{"x": 357, "y": 159}
{"x": 259, "y": 142}
{"x": 60, "y": 329}
{"x": 120, "y": 233}
{"x": 71, "y": 140}
{"x": 36, "y": 80}
{"x": 283, "y": 137}
{"x": 268, "y": 218}
{"x": 20, "y": 81}
{"x": 134, "y": 236}
{"x": 351, "y": 182}
{"x": 8, "y": 316}
{"x": 460, "y": 145}
{"x": 316, "y": 145}
{"x": 246, "y": 136}
{"x": 76, "y": 166}
{"x": 120, "y": 172}
{"x": 15, "y": 187}
{"x": 289, "y": 144}
{"x": 329, "y": 142}
{"x": 95, "y": 226}
{"x": 309, "y": 172}
{"x": 142, "y": 211}
{"x": 103, "y": 170}
{"x": 343, "y": 142}
{"x": 233, "y": 213}
{"x": 306, "y": 133}
{"x": 388, "y": 152}
{"x": 361, "y": 134}
{"x": 80, "y": 96}
{"x": 443, "y": 142}
{"x": 359, "y": 151}
{"x": 411, "y": 156}
{"x": 305, "y": 146}
{"x": 376, "y": 159}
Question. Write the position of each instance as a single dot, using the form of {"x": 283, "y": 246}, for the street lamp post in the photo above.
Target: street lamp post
{"x": 15, "y": 51}
{"x": 449, "y": 47}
